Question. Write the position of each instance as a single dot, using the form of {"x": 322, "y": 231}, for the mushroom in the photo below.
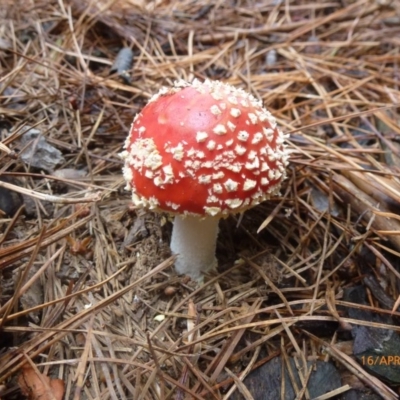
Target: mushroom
{"x": 201, "y": 151}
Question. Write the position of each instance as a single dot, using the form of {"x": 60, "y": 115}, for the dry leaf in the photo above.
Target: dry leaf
{"x": 37, "y": 386}
{"x": 37, "y": 152}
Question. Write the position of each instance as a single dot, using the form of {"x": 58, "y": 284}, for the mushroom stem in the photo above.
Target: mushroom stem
{"x": 194, "y": 241}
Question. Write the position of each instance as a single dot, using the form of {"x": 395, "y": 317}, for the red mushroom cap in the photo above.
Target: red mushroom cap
{"x": 205, "y": 149}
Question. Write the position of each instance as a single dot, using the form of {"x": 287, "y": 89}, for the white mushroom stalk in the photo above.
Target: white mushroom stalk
{"x": 203, "y": 150}
{"x": 194, "y": 241}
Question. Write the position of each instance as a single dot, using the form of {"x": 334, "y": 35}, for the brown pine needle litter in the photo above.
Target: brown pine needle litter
{"x": 87, "y": 286}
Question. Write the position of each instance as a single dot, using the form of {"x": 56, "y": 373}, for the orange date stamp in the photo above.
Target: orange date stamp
{"x": 380, "y": 360}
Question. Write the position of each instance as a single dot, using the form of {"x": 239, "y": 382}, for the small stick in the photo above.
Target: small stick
{"x": 158, "y": 368}
{"x": 10, "y": 153}
{"x": 49, "y": 197}
{"x": 193, "y": 313}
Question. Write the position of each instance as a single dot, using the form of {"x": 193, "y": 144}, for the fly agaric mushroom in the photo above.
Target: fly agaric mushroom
{"x": 201, "y": 151}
